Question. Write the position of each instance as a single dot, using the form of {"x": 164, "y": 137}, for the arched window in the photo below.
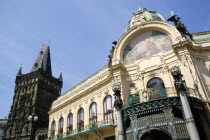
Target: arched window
{"x": 93, "y": 113}
{"x": 108, "y": 112}
{"x": 155, "y": 83}
{"x": 53, "y": 126}
{"x": 156, "y": 88}
{"x": 39, "y": 137}
{"x": 80, "y": 119}
{"x": 70, "y": 122}
{"x": 61, "y": 125}
{"x": 9, "y": 132}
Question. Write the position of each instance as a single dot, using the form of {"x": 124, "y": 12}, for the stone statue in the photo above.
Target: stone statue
{"x": 110, "y": 60}
{"x": 117, "y": 93}
{"x": 179, "y": 26}
{"x": 179, "y": 84}
{"x": 114, "y": 42}
{"x": 112, "y": 51}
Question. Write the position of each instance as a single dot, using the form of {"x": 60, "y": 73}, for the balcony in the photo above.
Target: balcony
{"x": 85, "y": 129}
{"x": 150, "y": 94}
{"x": 152, "y": 100}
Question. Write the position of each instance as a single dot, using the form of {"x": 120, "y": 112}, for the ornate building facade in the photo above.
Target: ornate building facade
{"x": 3, "y": 123}
{"x": 141, "y": 62}
{"x": 34, "y": 94}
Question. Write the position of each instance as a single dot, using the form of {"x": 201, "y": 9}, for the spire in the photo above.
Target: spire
{"x": 61, "y": 77}
{"x": 43, "y": 60}
{"x": 20, "y": 71}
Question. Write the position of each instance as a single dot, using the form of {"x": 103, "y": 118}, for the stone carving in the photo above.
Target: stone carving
{"x": 117, "y": 93}
{"x": 132, "y": 88}
{"x": 25, "y": 130}
{"x": 179, "y": 84}
{"x": 110, "y": 61}
{"x": 179, "y": 25}
{"x": 26, "y": 101}
{"x": 165, "y": 69}
{"x": 111, "y": 56}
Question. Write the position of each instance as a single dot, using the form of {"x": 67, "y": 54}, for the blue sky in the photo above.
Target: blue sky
{"x": 80, "y": 33}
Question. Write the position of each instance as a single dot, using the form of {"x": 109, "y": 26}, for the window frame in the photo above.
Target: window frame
{"x": 108, "y": 112}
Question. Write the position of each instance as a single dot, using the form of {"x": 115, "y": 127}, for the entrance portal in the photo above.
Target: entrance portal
{"x": 155, "y": 135}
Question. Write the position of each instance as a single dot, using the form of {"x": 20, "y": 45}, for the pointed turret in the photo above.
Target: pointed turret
{"x": 20, "y": 71}
{"x": 43, "y": 60}
{"x": 61, "y": 77}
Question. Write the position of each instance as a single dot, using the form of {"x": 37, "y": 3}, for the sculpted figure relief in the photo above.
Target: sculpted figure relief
{"x": 179, "y": 84}
{"x": 117, "y": 93}
{"x": 180, "y": 26}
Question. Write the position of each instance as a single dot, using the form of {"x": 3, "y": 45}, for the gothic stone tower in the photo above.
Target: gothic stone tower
{"x": 34, "y": 94}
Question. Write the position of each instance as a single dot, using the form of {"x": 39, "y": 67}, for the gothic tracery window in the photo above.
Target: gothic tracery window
{"x": 108, "y": 109}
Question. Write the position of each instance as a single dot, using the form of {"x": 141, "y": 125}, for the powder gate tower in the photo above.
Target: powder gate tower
{"x": 34, "y": 94}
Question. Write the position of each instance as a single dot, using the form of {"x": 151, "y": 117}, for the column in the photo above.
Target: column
{"x": 118, "y": 105}
{"x": 181, "y": 90}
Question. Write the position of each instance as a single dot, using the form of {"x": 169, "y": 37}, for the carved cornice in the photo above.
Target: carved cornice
{"x": 37, "y": 74}
{"x": 201, "y": 33}
{"x": 72, "y": 97}
{"x": 119, "y": 65}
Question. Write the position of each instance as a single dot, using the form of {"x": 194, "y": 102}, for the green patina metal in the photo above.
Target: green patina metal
{"x": 86, "y": 132}
{"x": 88, "y": 81}
{"x": 201, "y": 37}
{"x": 160, "y": 103}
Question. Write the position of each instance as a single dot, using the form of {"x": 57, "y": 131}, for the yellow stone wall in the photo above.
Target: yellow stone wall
{"x": 193, "y": 58}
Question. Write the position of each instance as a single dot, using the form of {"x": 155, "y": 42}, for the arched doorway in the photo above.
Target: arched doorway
{"x": 155, "y": 135}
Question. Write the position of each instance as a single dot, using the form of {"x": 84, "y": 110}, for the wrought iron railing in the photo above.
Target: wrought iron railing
{"x": 164, "y": 121}
{"x": 147, "y": 94}
{"x": 85, "y": 128}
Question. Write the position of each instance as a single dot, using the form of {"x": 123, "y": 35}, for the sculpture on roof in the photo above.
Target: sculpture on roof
{"x": 110, "y": 61}
{"x": 111, "y": 53}
{"x": 179, "y": 25}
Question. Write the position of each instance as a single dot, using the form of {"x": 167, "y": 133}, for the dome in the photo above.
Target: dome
{"x": 143, "y": 15}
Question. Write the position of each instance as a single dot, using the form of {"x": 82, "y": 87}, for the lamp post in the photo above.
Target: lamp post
{"x": 118, "y": 105}
{"x": 181, "y": 90}
{"x": 32, "y": 119}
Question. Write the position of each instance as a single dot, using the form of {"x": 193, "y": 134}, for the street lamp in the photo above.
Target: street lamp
{"x": 116, "y": 87}
{"x": 32, "y": 119}
{"x": 182, "y": 91}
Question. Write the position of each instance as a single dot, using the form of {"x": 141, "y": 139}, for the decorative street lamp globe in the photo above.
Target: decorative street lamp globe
{"x": 116, "y": 87}
{"x": 35, "y": 118}
{"x": 30, "y": 117}
{"x": 175, "y": 70}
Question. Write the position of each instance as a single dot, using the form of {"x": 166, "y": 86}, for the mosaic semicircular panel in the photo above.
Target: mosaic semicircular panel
{"x": 146, "y": 44}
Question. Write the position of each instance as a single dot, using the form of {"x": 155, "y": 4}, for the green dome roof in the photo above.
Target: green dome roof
{"x": 143, "y": 15}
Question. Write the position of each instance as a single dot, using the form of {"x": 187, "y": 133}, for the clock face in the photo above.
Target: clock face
{"x": 145, "y": 45}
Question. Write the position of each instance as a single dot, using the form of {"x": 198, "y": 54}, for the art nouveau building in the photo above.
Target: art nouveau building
{"x": 141, "y": 62}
